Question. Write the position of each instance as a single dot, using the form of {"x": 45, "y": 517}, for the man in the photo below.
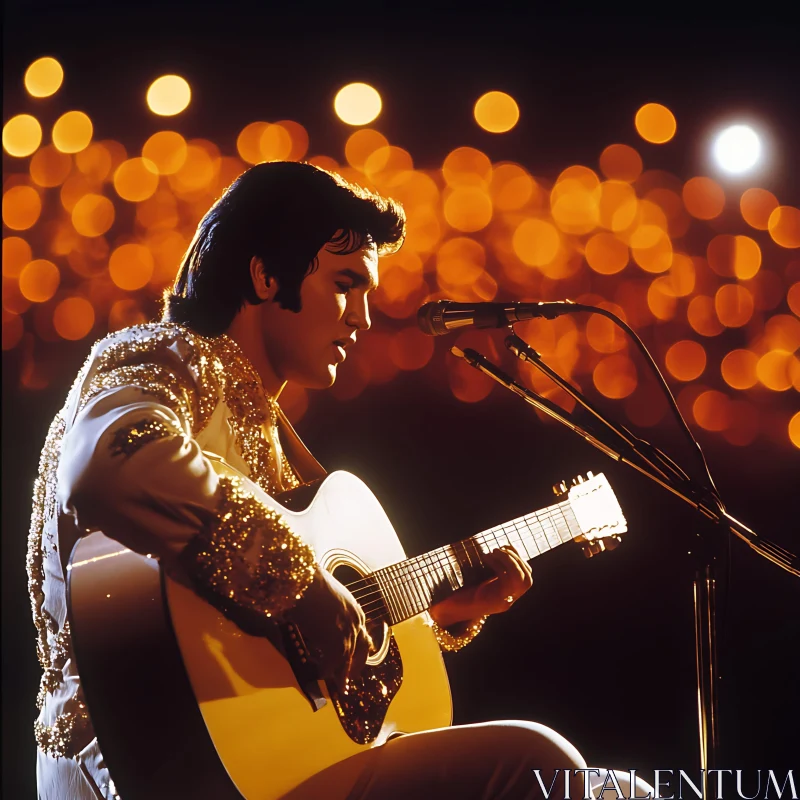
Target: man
{"x": 274, "y": 288}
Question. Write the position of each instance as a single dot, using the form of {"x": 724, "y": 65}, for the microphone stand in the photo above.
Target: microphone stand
{"x": 658, "y": 467}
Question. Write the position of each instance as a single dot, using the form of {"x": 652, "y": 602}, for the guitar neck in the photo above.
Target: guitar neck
{"x": 412, "y": 586}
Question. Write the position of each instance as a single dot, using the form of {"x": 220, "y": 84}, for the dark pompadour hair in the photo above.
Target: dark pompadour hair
{"x": 284, "y": 212}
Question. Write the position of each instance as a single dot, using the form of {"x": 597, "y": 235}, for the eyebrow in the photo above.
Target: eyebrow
{"x": 359, "y": 279}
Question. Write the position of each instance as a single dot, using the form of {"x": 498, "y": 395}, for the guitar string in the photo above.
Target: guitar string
{"x": 409, "y": 579}
{"x": 401, "y": 577}
{"x": 442, "y": 565}
{"x": 547, "y": 514}
{"x": 405, "y": 579}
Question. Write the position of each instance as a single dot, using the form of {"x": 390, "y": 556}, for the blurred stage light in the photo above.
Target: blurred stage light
{"x": 22, "y": 135}
{"x": 737, "y": 148}
{"x": 168, "y": 95}
{"x": 357, "y": 104}
{"x": 44, "y": 77}
{"x": 496, "y": 112}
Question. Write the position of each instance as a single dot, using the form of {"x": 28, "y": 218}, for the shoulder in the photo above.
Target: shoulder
{"x": 160, "y": 357}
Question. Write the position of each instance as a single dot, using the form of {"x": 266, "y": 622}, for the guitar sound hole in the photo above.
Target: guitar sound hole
{"x": 371, "y": 601}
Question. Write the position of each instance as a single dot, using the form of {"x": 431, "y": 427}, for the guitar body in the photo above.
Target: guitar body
{"x": 254, "y": 719}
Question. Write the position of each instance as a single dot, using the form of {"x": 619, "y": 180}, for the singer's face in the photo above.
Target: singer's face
{"x": 306, "y": 347}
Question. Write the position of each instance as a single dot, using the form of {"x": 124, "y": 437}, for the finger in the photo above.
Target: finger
{"x": 360, "y": 654}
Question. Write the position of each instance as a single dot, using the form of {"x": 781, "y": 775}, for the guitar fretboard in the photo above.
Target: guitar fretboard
{"x": 407, "y": 588}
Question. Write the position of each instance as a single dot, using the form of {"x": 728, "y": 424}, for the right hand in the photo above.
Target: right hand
{"x": 334, "y": 628}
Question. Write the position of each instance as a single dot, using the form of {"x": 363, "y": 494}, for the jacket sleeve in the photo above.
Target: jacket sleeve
{"x": 131, "y": 467}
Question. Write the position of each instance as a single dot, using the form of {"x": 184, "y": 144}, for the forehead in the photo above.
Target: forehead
{"x": 363, "y": 262}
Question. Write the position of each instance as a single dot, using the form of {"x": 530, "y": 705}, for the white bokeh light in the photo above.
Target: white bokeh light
{"x": 737, "y": 148}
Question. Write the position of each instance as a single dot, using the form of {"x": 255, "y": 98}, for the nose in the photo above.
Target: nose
{"x": 358, "y": 317}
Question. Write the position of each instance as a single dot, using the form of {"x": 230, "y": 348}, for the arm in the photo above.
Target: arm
{"x": 130, "y": 465}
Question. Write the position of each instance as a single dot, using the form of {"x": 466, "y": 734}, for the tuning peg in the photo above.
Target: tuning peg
{"x": 589, "y": 475}
{"x": 560, "y": 489}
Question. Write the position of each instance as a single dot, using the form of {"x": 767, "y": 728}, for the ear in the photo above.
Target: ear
{"x": 265, "y": 287}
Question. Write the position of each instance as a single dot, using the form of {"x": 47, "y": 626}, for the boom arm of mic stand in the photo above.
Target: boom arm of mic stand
{"x": 774, "y": 553}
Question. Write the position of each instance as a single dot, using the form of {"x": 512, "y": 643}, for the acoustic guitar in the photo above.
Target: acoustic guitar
{"x": 187, "y": 704}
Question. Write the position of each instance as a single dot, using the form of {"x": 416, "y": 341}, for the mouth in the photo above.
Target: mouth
{"x": 340, "y": 345}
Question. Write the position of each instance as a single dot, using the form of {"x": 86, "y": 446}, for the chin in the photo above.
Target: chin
{"x": 319, "y": 380}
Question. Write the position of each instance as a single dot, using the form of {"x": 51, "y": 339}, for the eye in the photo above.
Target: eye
{"x": 344, "y": 287}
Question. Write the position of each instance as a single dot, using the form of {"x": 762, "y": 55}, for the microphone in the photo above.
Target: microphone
{"x": 443, "y": 316}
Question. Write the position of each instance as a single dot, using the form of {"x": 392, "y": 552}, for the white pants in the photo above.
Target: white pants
{"x": 487, "y": 761}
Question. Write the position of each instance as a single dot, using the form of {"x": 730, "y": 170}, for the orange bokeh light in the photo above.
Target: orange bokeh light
{"x": 50, "y": 167}
{"x": 466, "y": 166}
{"x": 275, "y": 143}
{"x": 44, "y": 77}
{"x": 618, "y": 205}
{"x": 784, "y": 226}
{"x": 615, "y": 376}
{"x": 512, "y": 187}
{"x": 16, "y": 254}
{"x": 131, "y": 266}
{"x": 536, "y": 242}
{"x": 774, "y": 370}
{"x": 21, "y": 207}
{"x": 620, "y": 162}
{"x": 738, "y": 369}
{"x": 712, "y": 410}
{"x": 703, "y": 198}
{"x": 660, "y": 299}
{"x": 602, "y": 334}
{"x": 496, "y": 112}
{"x": 468, "y": 208}
{"x": 248, "y": 143}
{"x": 39, "y": 280}
{"x": 651, "y": 248}
{"x": 756, "y": 205}
{"x": 22, "y": 135}
{"x": 655, "y": 123}
{"x": 686, "y": 360}
{"x": 136, "y": 179}
{"x": 793, "y": 298}
{"x": 794, "y": 430}
{"x": 73, "y": 318}
{"x": 95, "y": 162}
{"x": 734, "y": 256}
{"x": 361, "y": 144}
{"x": 734, "y": 305}
{"x": 72, "y": 132}
{"x": 575, "y": 204}
{"x": 93, "y": 215}
{"x": 606, "y": 254}
{"x": 166, "y": 150}
{"x": 702, "y": 316}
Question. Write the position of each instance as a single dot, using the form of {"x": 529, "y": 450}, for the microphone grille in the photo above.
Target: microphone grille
{"x": 429, "y": 319}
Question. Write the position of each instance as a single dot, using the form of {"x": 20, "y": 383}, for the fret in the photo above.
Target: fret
{"x": 563, "y": 527}
{"x": 569, "y": 518}
{"x": 385, "y": 584}
{"x": 538, "y": 534}
{"x": 419, "y": 599}
{"x": 548, "y": 525}
{"x": 405, "y": 605}
{"x": 522, "y": 533}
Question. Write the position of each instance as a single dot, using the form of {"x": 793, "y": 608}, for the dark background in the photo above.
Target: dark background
{"x": 601, "y": 650}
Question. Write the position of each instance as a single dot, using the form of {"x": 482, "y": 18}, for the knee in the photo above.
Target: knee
{"x": 533, "y": 746}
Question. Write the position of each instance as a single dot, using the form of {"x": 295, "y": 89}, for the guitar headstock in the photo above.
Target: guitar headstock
{"x": 597, "y": 512}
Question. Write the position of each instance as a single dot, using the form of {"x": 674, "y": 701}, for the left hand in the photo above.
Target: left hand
{"x": 512, "y": 578}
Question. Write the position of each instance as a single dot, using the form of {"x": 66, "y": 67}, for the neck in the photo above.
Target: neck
{"x": 245, "y": 330}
